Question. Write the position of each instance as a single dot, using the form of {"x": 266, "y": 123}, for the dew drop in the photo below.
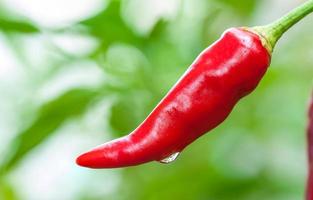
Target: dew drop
{"x": 170, "y": 158}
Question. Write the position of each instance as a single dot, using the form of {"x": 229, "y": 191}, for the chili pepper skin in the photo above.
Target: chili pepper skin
{"x": 310, "y": 153}
{"x": 205, "y": 95}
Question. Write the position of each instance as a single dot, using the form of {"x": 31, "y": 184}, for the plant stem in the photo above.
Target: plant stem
{"x": 272, "y": 32}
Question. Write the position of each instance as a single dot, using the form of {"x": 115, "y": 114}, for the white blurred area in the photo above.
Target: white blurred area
{"x": 153, "y": 10}
{"x": 55, "y": 13}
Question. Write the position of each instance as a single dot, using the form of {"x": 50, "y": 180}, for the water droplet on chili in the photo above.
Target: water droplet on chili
{"x": 170, "y": 158}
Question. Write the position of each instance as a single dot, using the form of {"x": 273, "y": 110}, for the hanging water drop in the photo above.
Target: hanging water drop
{"x": 170, "y": 158}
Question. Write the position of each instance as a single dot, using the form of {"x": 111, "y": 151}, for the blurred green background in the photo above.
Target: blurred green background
{"x": 76, "y": 73}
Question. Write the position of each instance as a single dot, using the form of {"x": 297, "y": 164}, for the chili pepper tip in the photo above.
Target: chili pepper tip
{"x": 83, "y": 160}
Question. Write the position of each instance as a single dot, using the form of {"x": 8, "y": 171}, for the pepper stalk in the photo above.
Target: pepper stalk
{"x": 272, "y": 32}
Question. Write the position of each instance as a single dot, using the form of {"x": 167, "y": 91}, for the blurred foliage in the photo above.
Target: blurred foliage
{"x": 16, "y": 26}
{"x": 112, "y": 28}
{"x": 7, "y": 191}
{"x": 243, "y": 8}
{"x": 254, "y": 155}
{"x": 50, "y": 117}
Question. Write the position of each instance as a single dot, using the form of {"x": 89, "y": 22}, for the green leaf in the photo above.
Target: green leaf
{"x": 7, "y": 191}
{"x": 17, "y": 26}
{"x": 123, "y": 117}
{"x": 110, "y": 28}
{"x": 129, "y": 111}
{"x": 242, "y": 7}
{"x": 51, "y": 116}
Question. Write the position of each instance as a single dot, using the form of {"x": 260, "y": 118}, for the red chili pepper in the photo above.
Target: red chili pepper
{"x": 310, "y": 152}
{"x": 225, "y": 72}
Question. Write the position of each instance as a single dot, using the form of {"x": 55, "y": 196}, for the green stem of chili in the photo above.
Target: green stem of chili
{"x": 272, "y": 32}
